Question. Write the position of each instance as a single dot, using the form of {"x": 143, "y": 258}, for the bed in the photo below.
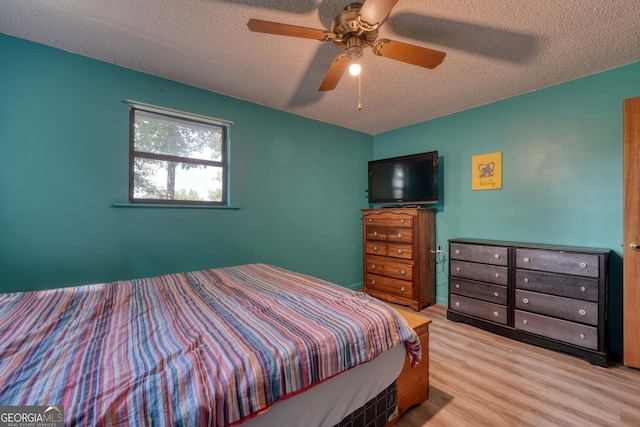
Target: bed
{"x": 250, "y": 345}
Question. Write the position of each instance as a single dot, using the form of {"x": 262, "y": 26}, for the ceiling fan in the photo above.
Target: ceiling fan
{"x": 354, "y": 29}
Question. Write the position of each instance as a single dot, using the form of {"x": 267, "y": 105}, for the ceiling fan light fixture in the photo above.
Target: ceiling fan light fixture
{"x": 354, "y": 48}
{"x": 354, "y": 69}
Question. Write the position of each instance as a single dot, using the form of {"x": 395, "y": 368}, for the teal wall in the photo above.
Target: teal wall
{"x": 298, "y": 183}
{"x": 562, "y": 170}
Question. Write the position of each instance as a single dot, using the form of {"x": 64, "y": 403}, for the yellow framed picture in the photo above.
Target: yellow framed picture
{"x": 486, "y": 171}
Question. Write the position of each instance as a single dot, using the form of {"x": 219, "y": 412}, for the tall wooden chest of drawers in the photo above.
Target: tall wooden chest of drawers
{"x": 399, "y": 255}
{"x": 551, "y": 296}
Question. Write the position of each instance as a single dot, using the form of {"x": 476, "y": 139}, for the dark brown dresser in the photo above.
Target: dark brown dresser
{"x": 399, "y": 260}
{"x": 546, "y": 295}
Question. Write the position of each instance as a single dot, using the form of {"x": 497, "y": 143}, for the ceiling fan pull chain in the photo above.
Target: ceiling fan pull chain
{"x": 359, "y": 91}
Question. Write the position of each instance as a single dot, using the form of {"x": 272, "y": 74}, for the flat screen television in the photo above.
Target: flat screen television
{"x": 405, "y": 180}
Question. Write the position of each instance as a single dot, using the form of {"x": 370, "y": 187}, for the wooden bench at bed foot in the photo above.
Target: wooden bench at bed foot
{"x": 413, "y": 383}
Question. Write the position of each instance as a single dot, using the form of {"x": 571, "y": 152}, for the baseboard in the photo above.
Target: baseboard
{"x": 355, "y": 286}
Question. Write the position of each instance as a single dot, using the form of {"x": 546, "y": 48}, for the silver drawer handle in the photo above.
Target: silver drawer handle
{"x": 583, "y": 265}
{"x": 375, "y": 248}
{"x": 583, "y": 289}
{"x": 526, "y": 280}
{"x": 496, "y": 314}
{"x": 402, "y": 221}
{"x": 370, "y": 220}
{"x": 403, "y": 289}
{"x": 496, "y": 294}
{"x": 525, "y": 321}
{"x": 373, "y": 282}
{"x": 497, "y": 256}
{"x": 399, "y": 235}
{"x": 457, "y": 286}
{"x": 582, "y": 312}
{"x": 497, "y": 275}
{"x": 400, "y": 251}
{"x": 525, "y": 300}
{"x": 457, "y": 304}
{"x": 403, "y": 272}
{"x": 458, "y": 268}
{"x": 373, "y": 266}
{"x": 375, "y": 233}
{"x": 457, "y": 251}
{"x": 582, "y": 336}
{"x": 527, "y": 259}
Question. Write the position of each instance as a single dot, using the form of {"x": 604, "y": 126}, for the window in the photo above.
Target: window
{"x": 176, "y": 158}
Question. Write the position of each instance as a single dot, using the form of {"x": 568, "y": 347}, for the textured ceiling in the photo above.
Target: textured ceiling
{"x": 495, "y": 49}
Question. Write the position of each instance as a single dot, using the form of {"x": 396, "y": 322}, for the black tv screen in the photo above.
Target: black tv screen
{"x": 404, "y": 180}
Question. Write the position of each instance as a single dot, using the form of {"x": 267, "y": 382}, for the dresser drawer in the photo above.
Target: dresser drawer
{"x": 481, "y": 272}
{"x": 564, "y": 308}
{"x": 389, "y": 285}
{"x": 493, "y": 293}
{"x": 578, "y": 264}
{"x": 376, "y": 248}
{"x": 373, "y": 233}
{"x": 389, "y": 220}
{"x": 388, "y": 268}
{"x": 562, "y": 330}
{"x": 485, "y": 310}
{"x": 400, "y": 251}
{"x": 400, "y": 235}
{"x": 558, "y": 284}
{"x": 478, "y": 253}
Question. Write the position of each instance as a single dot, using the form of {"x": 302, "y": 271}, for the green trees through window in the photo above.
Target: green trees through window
{"x": 176, "y": 160}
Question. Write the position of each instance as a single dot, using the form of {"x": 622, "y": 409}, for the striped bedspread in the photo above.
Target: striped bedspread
{"x": 210, "y": 347}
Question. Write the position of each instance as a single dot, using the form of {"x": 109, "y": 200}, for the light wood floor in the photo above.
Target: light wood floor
{"x": 481, "y": 379}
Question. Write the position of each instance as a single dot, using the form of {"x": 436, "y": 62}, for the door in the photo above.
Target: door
{"x": 631, "y": 224}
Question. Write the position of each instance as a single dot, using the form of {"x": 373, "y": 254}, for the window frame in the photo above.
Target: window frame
{"x": 185, "y": 117}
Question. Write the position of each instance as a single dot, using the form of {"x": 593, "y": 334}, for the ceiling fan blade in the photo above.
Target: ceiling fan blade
{"x": 335, "y": 72}
{"x": 373, "y": 12}
{"x": 411, "y": 54}
{"x": 269, "y": 27}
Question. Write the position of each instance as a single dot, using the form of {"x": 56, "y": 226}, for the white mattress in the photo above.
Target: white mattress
{"x": 329, "y": 402}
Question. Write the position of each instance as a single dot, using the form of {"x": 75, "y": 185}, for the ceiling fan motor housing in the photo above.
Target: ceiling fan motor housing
{"x": 350, "y": 34}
